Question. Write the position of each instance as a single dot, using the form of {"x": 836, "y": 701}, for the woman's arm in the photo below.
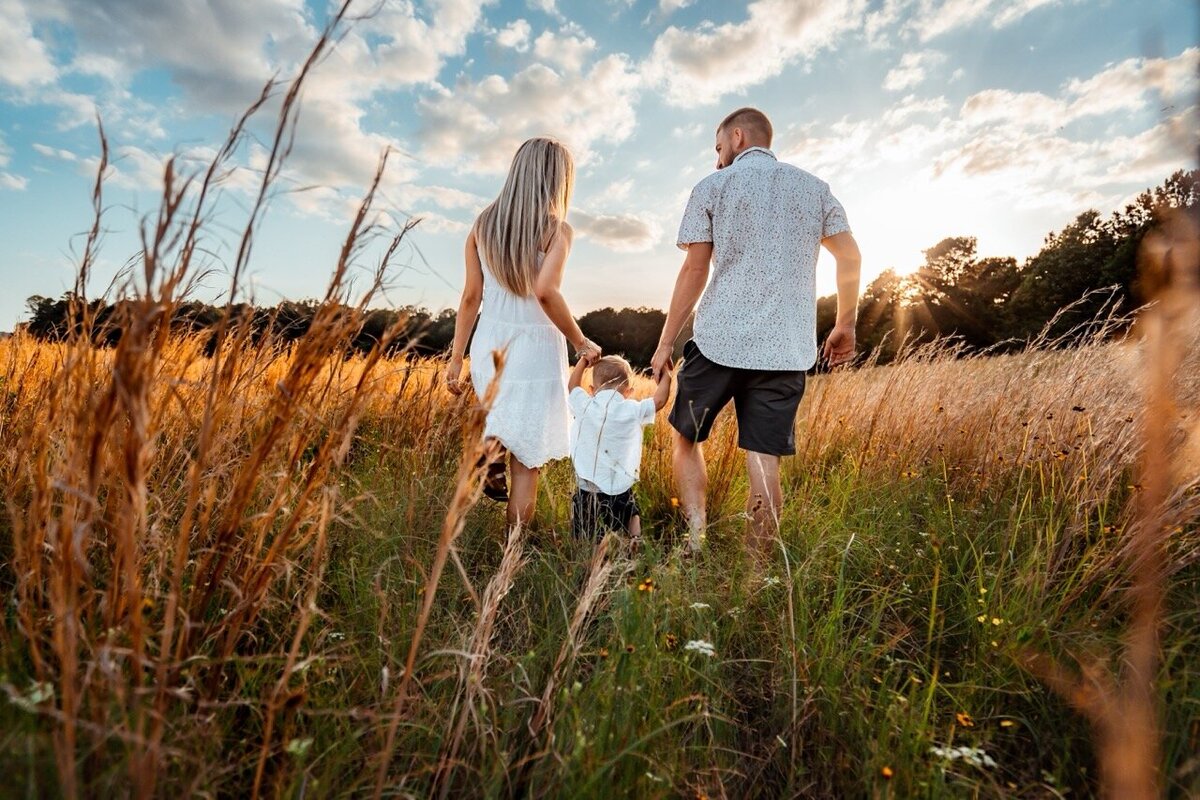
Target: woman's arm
{"x": 546, "y": 290}
{"x": 468, "y": 310}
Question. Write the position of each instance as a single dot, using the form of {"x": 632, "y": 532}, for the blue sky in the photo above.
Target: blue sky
{"x": 1000, "y": 119}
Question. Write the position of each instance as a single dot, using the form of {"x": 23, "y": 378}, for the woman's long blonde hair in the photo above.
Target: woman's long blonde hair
{"x": 523, "y": 219}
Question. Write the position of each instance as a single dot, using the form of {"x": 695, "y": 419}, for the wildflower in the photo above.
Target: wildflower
{"x": 972, "y": 755}
{"x": 983, "y": 590}
{"x": 771, "y": 580}
{"x": 646, "y": 585}
{"x": 997, "y": 621}
{"x": 147, "y": 605}
{"x": 699, "y": 606}
{"x": 886, "y": 772}
{"x": 964, "y": 719}
{"x": 1006, "y": 723}
{"x": 603, "y": 652}
{"x": 674, "y": 502}
{"x": 670, "y": 640}
{"x": 299, "y": 747}
{"x": 701, "y": 646}
{"x": 908, "y": 473}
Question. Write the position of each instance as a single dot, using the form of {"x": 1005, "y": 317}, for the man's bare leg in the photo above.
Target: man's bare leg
{"x": 764, "y": 503}
{"x": 691, "y": 478}
{"x": 522, "y": 495}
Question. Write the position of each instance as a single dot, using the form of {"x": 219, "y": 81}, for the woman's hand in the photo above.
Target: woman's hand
{"x": 589, "y": 352}
{"x": 453, "y": 376}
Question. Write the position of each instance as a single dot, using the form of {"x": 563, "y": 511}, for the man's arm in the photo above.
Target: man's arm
{"x": 839, "y": 346}
{"x": 693, "y": 276}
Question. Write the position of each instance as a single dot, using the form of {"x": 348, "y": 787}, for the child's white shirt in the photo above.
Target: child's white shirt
{"x": 606, "y": 438}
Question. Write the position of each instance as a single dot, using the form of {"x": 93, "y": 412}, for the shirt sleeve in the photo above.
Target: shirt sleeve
{"x": 696, "y": 225}
{"x": 834, "y": 215}
{"x": 578, "y": 400}
{"x": 646, "y": 411}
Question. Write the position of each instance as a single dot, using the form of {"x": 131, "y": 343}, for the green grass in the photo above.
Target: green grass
{"x": 890, "y": 621}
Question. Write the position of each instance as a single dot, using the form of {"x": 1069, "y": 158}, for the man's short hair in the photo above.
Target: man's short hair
{"x": 611, "y": 372}
{"x": 750, "y": 120}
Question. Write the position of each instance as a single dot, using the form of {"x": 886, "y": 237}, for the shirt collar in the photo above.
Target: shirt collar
{"x": 748, "y": 150}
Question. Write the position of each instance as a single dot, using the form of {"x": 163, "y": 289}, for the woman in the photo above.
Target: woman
{"x": 515, "y": 254}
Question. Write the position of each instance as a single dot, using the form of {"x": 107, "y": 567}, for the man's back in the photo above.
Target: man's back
{"x": 766, "y": 220}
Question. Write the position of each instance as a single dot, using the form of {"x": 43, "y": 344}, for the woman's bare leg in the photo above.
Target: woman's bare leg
{"x": 522, "y": 493}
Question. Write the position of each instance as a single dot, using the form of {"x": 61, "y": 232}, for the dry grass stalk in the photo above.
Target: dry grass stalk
{"x": 600, "y": 572}
{"x": 467, "y": 491}
{"x": 1123, "y": 708}
{"x": 475, "y": 660}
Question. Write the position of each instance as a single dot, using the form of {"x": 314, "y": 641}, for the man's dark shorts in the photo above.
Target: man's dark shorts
{"x": 765, "y": 401}
{"x": 593, "y": 513}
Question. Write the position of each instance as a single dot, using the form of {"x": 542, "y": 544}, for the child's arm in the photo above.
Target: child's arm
{"x": 662, "y": 390}
{"x": 577, "y": 374}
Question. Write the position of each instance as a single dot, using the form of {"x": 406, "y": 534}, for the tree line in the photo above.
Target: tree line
{"x": 980, "y": 303}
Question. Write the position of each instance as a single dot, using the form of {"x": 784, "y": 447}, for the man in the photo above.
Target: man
{"x": 761, "y": 224}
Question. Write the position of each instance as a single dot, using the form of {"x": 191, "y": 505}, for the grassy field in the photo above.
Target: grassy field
{"x": 215, "y": 573}
{"x": 265, "y": 570}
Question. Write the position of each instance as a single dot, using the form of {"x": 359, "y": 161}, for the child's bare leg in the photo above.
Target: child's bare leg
{"x": 635, "y": 527}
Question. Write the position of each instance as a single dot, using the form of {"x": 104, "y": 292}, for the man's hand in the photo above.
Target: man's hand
{"x": 839, "y": 346}
{"x": 660, "y": 363}
{"x": 453, "y": 376}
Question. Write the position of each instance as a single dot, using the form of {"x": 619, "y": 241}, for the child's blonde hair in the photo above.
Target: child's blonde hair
{"x": 611, "y": 372}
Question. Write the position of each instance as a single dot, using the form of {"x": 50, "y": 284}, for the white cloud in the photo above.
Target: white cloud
{"x": 701, "y": 65}
{"x": 24, "y": 61}
{"x": 668, "y": 7}
{"x": 568, "y": 49}
{"x": 514, "y": 36}
{"x": 15, "y": 182}
{"x": 54, "y": 152}
{"x": 624, "y": 233}
{"x": 546, "y": 7}
{"x": 912, "y": 106}
{"x": 7, "y": 179}
{"x": 1125, "y": 86}
{"x": 478, "y": 126}
{"x": 928, "y": 19}
{"x": 911, "y": 70}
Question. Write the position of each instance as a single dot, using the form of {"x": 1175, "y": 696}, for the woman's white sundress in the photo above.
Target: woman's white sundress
{"x": 530, "y": 415}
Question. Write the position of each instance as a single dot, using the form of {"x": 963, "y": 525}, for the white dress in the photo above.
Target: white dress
{"x": 529, "y": 415}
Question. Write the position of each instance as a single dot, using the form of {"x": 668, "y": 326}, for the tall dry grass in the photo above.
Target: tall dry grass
{"x": 264, "y": 571}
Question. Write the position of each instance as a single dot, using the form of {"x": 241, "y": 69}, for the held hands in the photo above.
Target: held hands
{"x": 589, "y": 352}
{"x": 661, "y": 363}
{"x": 839, "y": 346}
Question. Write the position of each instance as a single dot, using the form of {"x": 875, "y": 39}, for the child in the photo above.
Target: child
{"x": 606, "y": 445}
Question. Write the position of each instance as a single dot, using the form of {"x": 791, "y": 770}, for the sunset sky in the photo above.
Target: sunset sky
{"x": 1001, "y": 120}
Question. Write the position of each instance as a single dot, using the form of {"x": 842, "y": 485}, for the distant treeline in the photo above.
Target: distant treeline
{"x": 983, "y": 303}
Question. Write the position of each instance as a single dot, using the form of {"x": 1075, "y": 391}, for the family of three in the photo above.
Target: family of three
{"x": 752, "y": 232}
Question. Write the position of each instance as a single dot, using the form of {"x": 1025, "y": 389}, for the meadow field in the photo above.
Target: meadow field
{"x": 234, "y": 567}
{"x": 269, "y": 573}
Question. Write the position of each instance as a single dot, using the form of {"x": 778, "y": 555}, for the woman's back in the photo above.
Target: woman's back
{"x": 501, "y": 306}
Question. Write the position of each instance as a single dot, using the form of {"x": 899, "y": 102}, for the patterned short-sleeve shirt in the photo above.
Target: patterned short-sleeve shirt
{"x": 766, "y": 220}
